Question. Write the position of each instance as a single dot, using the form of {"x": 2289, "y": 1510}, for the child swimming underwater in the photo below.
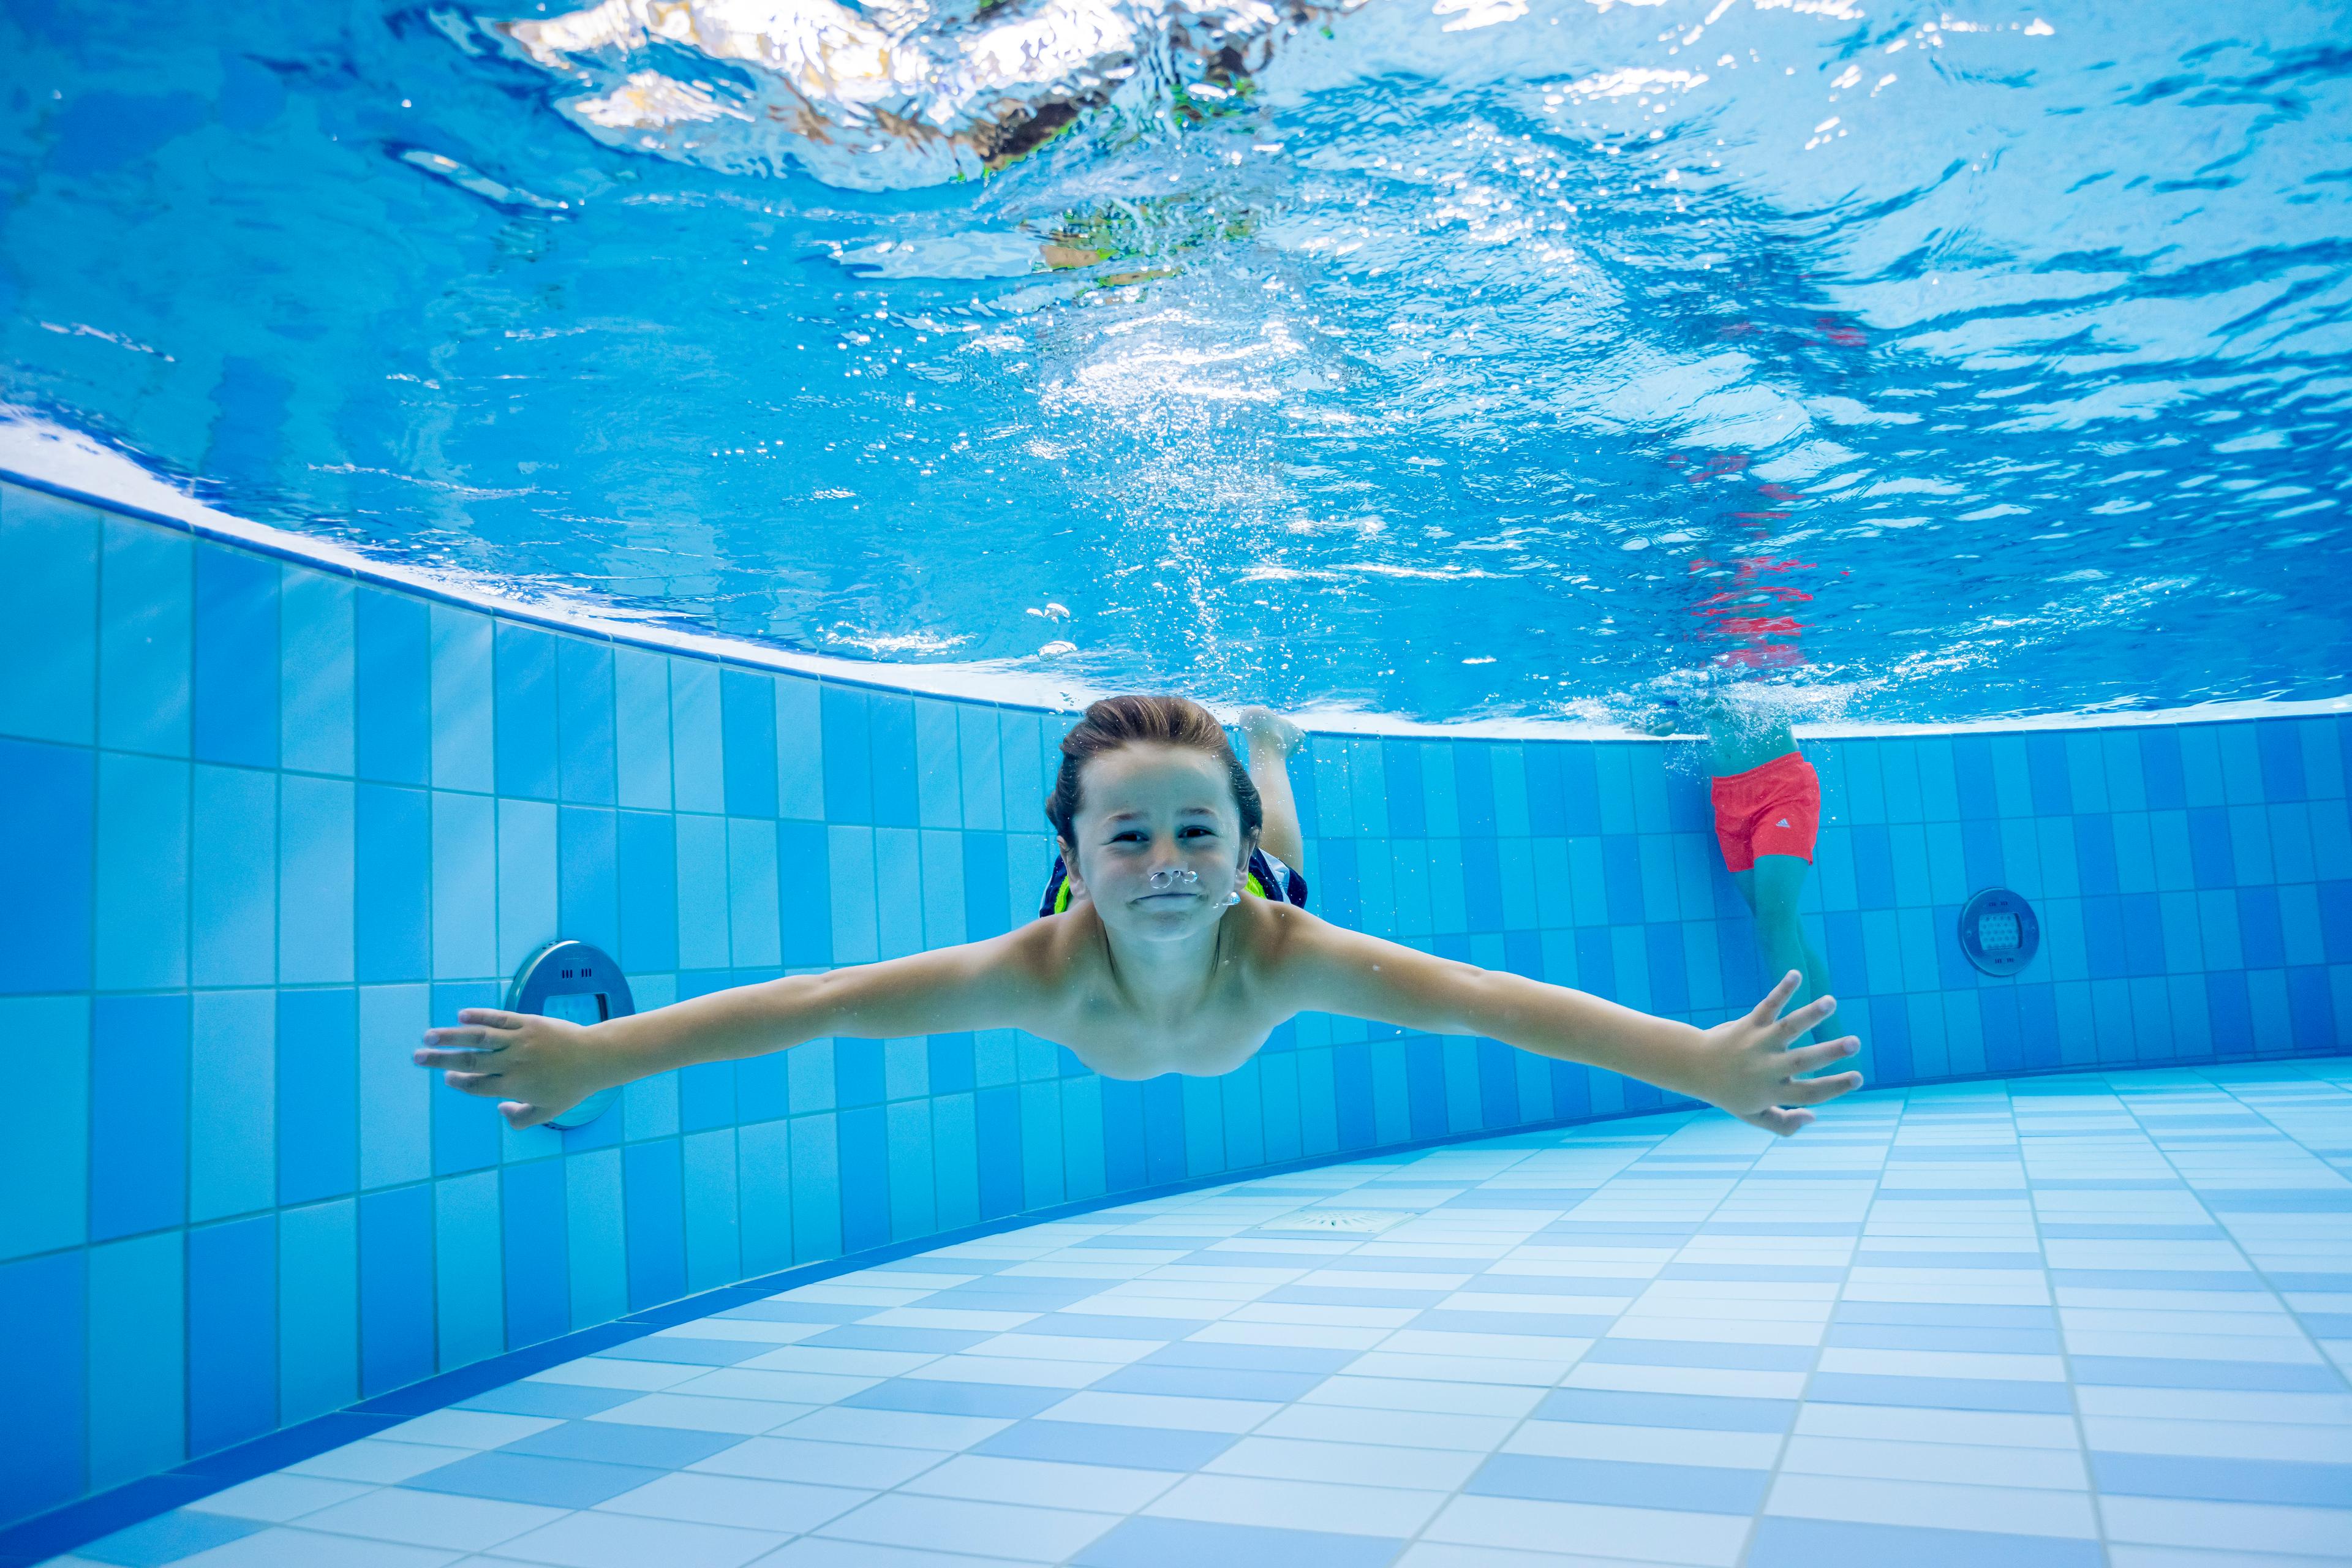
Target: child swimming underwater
{"x": 1179, "y": 947}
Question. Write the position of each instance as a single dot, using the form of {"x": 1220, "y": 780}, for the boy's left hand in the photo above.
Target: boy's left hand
{"x": 1750, "y": 1071}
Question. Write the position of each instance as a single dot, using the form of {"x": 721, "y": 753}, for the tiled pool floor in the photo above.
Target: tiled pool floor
{"x": 2100, "y": 1318}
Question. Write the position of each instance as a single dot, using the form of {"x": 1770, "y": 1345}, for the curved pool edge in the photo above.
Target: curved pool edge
{"x": 72, "y": 467}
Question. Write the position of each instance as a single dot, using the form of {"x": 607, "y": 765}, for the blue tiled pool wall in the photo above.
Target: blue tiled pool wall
{"x": 261, "y": 823}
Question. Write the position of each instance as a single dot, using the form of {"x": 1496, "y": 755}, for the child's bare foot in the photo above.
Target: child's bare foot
{"x": 1264, "y": 727}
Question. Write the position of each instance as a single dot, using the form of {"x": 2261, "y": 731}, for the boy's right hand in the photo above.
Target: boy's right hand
{"x": 534, "y": 1066}
{"x": 1751, "y": 1067}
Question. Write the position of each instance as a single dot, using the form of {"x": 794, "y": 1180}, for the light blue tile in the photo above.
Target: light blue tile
{"x": 2299, "y": 923}
{"x": 1441, "y": 810}
{"x": 232, "y": 1104}
{"x": 595, "y": 1247}
{"x": 2200, "y": 764}
{"x": 464, "y": 755}
{"x": 980, "y": 764}
{"x": 714, "y": 1243}
{"x": 146, "y": 637}
{"x": 468, "y": 1301}
{"x": 138, "y": 1382}
{"x": 2135, "y": 852}
{"x": 702, "y": 940}
{"x": 955, "y": 1161}
{"x": 849, "y": 852}
{"x": 465, "y": 886}
{"x": 809, "y": 1073}
{"x": 943, "y": 889}
{"x": 698, "y": 764}
{"x": 395, "y": 1095}
{"x": 48, "y": 604}
{"x": 799, "y": 750}
{"x": 1041, "y": 1139}
{"x": 318, "y": 1309}
{"x": 2291, "y": 856}
{"x": 527, "y": 880}
{"x": 1326, "y": 762}
{"x": 233, "y": 861}
{"x": 142, "y": 888}
{"x": 2250, "y": 839}
{"x": 1021, "y": 737}
{"x": 319, "y": 642}
{"x": 764, "y": 1199}
{"x": 642, "y": 727}
{"x": 1898, "y": 771}
{"x": 2124, "y": 770}
{"x": 44, "y": 1123}
{"x": 2169, "y": 849}
{"x": 756, "y": 940}
{"x": 914, "y": 1209}
{"x": 1376, "y": 891}
{"x": 1510, "y": 775}
{"x": 816, "y": 1188}
{"x": 898, "y": 892}
{"x": 939, "y": 769}
{"x": 907, "y": 1068}
{"x": 314, "y": 881}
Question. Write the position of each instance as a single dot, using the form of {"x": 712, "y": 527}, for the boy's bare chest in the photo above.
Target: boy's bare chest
{"x": 1118, "y": 1040}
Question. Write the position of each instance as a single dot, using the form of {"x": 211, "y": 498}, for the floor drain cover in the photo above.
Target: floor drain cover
{"x": 1356, "y": 1222}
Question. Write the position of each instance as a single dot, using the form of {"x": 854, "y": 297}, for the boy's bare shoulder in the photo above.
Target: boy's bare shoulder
{"x": 1045, "y": 948}
{"x": 1283, "y": 937}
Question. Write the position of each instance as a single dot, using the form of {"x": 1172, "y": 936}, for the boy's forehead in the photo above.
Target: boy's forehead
{"x": 1134, "y": 773}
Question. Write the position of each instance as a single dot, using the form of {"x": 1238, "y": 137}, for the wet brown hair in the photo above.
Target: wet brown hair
{"x": 1116, "y": 721}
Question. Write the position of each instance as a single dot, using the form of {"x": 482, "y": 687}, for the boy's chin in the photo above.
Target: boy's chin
{"x": 1167, "y": 924}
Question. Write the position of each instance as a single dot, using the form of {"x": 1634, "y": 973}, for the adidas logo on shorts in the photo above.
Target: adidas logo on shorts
{"x": 1782, "y": 823}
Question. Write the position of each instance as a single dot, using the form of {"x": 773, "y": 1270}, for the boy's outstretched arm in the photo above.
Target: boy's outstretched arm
{"x": 1743, "y": 1066}
{"x": 538, "y": 1067}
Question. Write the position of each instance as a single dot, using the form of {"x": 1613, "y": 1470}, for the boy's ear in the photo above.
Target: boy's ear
{"x": 1070, "y": 867}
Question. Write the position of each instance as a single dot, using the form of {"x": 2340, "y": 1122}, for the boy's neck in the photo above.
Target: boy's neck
{"x": 1165, "y": 981}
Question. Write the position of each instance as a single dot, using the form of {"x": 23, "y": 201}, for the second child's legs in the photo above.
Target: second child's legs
{"x": 1272, "y": 739}
{"x": 1772, "y": 890}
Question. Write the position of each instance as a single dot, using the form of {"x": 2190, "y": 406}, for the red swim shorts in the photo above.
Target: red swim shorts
{"x": 1774, "y": 808}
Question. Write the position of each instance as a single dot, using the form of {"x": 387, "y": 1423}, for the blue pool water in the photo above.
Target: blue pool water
{"x": 2092, "y": 1320}
{"x": 1489, "y": 357}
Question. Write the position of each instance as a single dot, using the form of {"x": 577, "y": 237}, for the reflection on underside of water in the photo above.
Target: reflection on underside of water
{"x": 1474, "y": 357}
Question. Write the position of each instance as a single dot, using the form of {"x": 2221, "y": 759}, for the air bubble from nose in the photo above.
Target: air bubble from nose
{"x": 1171, "y": 880}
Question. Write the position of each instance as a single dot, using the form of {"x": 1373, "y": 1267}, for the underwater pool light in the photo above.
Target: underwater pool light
{"x": 577, "y": 981}
{"x": 1998, "y": 932}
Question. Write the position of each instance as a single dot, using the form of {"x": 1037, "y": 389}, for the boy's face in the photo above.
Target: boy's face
{"x": 1146, "y": 809}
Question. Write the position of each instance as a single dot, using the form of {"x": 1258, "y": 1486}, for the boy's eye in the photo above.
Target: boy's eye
{"x": 1197, "y": 832}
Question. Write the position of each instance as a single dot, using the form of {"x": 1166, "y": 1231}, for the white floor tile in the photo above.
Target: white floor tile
{"x": 2012, "y": 1510}
{"x": 1646, "y": 1445}
{"x": 2225, "y": 1526}
{"x": 1638, "y": 1534}
{"x": 696, "y": 1413}
{"x": 1172, "y": 1411}
{"x": 952, "y": 1524}
{"x": 280, "y": 1497}
{"x": 1040, "y": 1483}
{"x": 456, "y": 1428}
{"x": 867, "y": 1466}
{"x": 894, "y": 1428}
{"x": 1352, "y": 1464}
{"x": 786, "y": 1507}
{"x": 603, "y": 1540}
{"x": 1333, "y": 1509}
{"x": 375, "y": 1459}
{"x": 432, "y": 1518}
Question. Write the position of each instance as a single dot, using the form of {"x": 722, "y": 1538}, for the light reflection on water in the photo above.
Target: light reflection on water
{"x": 1928, "y": 363}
